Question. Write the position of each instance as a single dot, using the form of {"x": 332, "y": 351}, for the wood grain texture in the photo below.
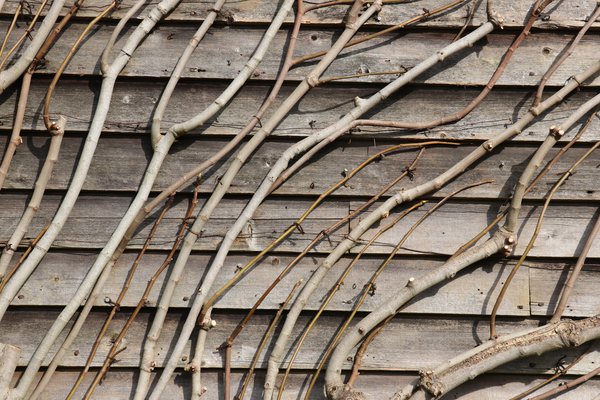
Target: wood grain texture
{"x": 115, "y": 154}
{"x": 134, "y": 101}
{"x": 94, "y": 218}
{"x": 533, "y": 291}
{"x": 469, "y": 293}
{"x": 441, "y": 323}
{"x": 566, "y": 14}
{"x": 158, "y": 54}
{"x": 118, "y": 383}
{"x": 402, "y": 346}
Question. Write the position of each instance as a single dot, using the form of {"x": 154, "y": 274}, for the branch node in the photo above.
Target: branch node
{"x": 343, "y": 393}
{"x": 411, "y": 282}
{"x": 208, "y": 323}
{"x": 489, "y": 146}
{"x": 312, "y": 80}
{"x": 359, "y": 102}
{"x": 557, "y": 132}
{"x": 509, "y": 245}
{"x": 569, "y": 333}
{"x": 430, "y": 382}
{"x": 494, "y": 17}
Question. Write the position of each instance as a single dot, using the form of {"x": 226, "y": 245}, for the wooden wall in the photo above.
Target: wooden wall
{"x": 442, "y": 322}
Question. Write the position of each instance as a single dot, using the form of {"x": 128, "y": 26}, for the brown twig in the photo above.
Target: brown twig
{"x": 426, "y": 14}
{"x": 144, "y": 299}
{"x": 561, "y": 371}
{"x": 538, "y": 7}
{"x": 296, "y": 224}
{"x": 360, "y": 353}
{"x": 323, "y": 234}
{"x": 23, "y": 36}
{"x": 50, "y": 125}
{"x": 557, "y": 63}
{"x": 15, "y": 139}
{"x": 567, "y": 385}
{"x": 533, "y": 183}
{"x": 117, "y": 304}
{"x": 470, "y": 14}
{"x": 568, "y": 287}
{"x": 261, "y": 346}
{"x": 336, "y": 288}
{"x": 23, "y": 257}
{"x": 11, "y": 27}
{"x": 533, "y": 238}
{"x": 370, "y": 285}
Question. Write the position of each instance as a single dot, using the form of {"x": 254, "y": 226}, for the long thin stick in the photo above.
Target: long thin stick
{"x": 297, "y": 224}
{"x": 11, "y": 27}
{"x": 23, "y": 36}
{"x": 10, "y": 75}
{"x": 567, "y": 385}
{"x": 503, "y": 239}
{"x": 119, "y": 300}
{"x": 55, "y": 128}
{"x": 351, "y": 27}
{"x": 426, "y": 14}
{"x": 532, "y": 240}
{"x": 557, "y": 63}
{"x": 324, "y": 233}
{"x": 15, "y": 138}
{"x": 144, "y": 299}
{"x": 371, "y": 283}
{"x": 73, "y": 191}
{"x": 339, "y": 283}
{"x": 568, "y": 288}
{"x": 533, "y": 183}
{"x": 362, "y": 106}
{"x": 262, "y": 344}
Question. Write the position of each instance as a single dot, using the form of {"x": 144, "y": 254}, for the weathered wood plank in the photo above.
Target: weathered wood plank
{"x": 534, "y": 288}
{"x": 454, "y": 221}
{"x": 566, "y": 14}
{"x": 117, "y": 154}
{"x": 547, "y": 281}
{"x": 157, "y": 55}
{"x": 95, "y": 217}
{"x": 471, "y": 292}
{"x": 402, "y": 346}
{"x": 133, "y": 104}
{"x": 119, "y": 381}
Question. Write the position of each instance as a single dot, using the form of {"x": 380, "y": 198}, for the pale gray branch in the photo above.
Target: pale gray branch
{"x": 10, "y": 75}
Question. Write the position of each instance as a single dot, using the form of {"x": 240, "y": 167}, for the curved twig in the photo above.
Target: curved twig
{"x": 503, "y": 239}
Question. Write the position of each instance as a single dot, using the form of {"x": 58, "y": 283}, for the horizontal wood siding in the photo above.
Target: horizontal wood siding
{"x": 440, "y": 323}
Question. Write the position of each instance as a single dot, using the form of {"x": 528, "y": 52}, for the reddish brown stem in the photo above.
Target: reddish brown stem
{"x": 117, "y": 304}
{"x": 567, "y": 385}
{"x": 15, "y": 139}
{"x": 323, "y": 234}
{"x": 533, "y": 183}
{"x": 261, "y": 346}
{"x": 426, "y": 14}
{"x": 23, "y": 257}
{"x": 568, "y": 288}
{"x": 538, "y": 8}
{"x": 564, "y": 56}
{"x": 144, "y": 299}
